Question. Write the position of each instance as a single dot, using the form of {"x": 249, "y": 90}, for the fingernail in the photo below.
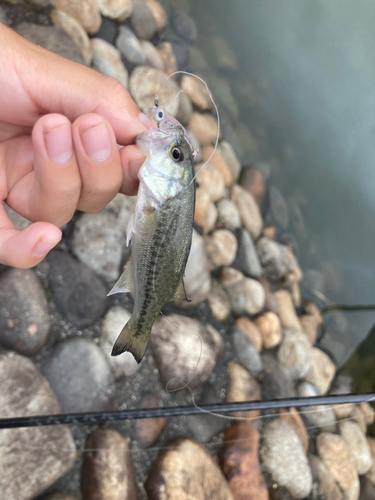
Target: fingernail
{"x": 146, "y": 121}
{"x": 43, "y": 246}
{"x": 59, "y": 144}
{"x": 97, "y": 142}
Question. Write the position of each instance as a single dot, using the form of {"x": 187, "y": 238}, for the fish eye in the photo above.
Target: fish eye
{"x": 177, "y": 154}
{"x": 159, "y": 114}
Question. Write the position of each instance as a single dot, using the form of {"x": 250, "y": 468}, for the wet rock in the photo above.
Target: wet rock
{"x": 295, "y": 354}
{"x": 149, "y": 430}
{"x": 107, "y": 60}
{"x": 241, "y": 386}
{"x": 249, "y": 211}
{"x": 284, "y": 458}
{"x": 216, "y": 159}
{"x": 32, "y": 459}
{"x": 278, "y": 207}
{"x": 269, "y": 232}
{"x": 97, "y": 241}
{"x": 254, "y": 181}
{"x": 246, "y": 295}
{"x": 108, "y": 30}
{"x": 228, "y": 215}
{"x": 194, "y": 348}
{"x": 251, "y": 331}
{"x": 142, "y": 21}
{"x": 368, "y": 412}
{"x": 204, "y": 127}
{"x": 327, "y": 485}
{"x": 276, "y": 382}
{"x": 358, "y": 417}
{"x": 271, "y": 302}
{"x": 367, "y": 489}
{"x": 342, "y": 411}
{"x": 185, "y": 110}
{"x": 231, "y": 159}
{"x": 146, "y": 82}
{"x": 182, "y": 55}
{"x": 287, "y": 313}
{"x": 152, "y": 55}
{"x": 114, "y": 321}
{"x": 219, "y": 303}
{"x": 319, "y": 416}
{"x": 197, "y": 92}
{"x": 321, "y": 371}
{"x": 171, "y": 478}
{"x": 85, "y": 11}
{"x": 72, "y": 27}
{"x": 338, "y": 459}
{"x": 205, "y": 214}
{"x": 158, "y": 13}
{"x": 80, "y": 376}
{"x": 115, "y": 9}
{"x": 293, "y": 418}
{"x": 24, "y": 319}
{"x": 221, "y": 248}
{"x": 309, "y": 327}
{"x": 222, "y": 55}
{"x": 270, "y": 329}
{"x": 130, "y": 47}
{"x": 240, "y": 463}
{"x": 246, "y": 352}
{"x": 211, "y": 180}
{"x": 356, "y": 441}
{"x": 277, "y": 261}
{"x": 168, "y": 56}
{"x": 78, "y": 293}
{"x": 247, "y": 258}
{"x": 107, "y": 470}
{"x": 51, "y": 38}
{"x": 184, "y": 25}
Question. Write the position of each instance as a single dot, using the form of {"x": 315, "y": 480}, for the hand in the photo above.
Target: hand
{"x": 60, "y": 124}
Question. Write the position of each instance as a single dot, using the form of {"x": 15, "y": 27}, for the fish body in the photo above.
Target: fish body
{"x": 160, "y": 231}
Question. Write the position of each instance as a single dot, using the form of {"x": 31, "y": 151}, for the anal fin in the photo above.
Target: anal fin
{"x": 125, "y": 282}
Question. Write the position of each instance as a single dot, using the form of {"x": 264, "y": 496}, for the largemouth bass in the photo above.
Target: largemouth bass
{"x": 160, "y": 230}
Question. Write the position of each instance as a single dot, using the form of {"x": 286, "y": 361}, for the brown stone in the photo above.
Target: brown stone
{"x": 241, "y": 386}
{"x": 255, "y": 183}
{"x": 85, "y": 11}
{"x": 231, "y": 159}
{"x": 218, "y": 161}
{"x": 115, "y": 9}
{"x": 204, "y": 127}
{"x": 313, "y": 310}
{"x": 368, "y": 412}
{"x": 165, "y": 50}
{"x": 219, "y": 302}
{"x": 148, "y": 430}
{"x": 205, "y": 214}
{"x": 249, "y": 210}
{"x": 211, "y": 179}
{"x": 309, "y": 326}
{"x": 371, "y": 473}
{"x": 221, "y": 248}
{"x": 197, "y": 92}
{"x": 295, "y": 421}
{"x": 356, "y": 441}
{"x": 327, "y": 488}
{"x": 270, "y": 328}
{"x": 359, "y": 418}
{"x": 287, "y": 313}
{"x": 269, "y": 231}
{"x": 343, "y": 411}
{"x": 240, "y": 463}
{"x": 158, "y": 13}
{"x": 245, "y": 294}
{"x": 271, "y": 303}
{"x": 322, "y": 370}
{"x": 251, "y": 330}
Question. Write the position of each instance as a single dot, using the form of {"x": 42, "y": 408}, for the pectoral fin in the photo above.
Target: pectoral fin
{"x": 125, "y": 282}
{"x": 180, "y": 293}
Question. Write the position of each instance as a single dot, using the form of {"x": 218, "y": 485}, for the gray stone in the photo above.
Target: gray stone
{"x": 142, "y": 21}
{"x": 327, "y": 485}
{"x": 24, "y": 318}
{"x": 108, "y": 30}
{"x": 60, "y": 496}
{"x": 246, "y": 260}
{"x": 321, "y": 371}
{"x": 185, "y": 110}
{"x": 149, "y": 430}
{"x": 115, "y": 9}
{"x": 129, "y": 46}
{"x": 246, "y": 295}
{"x": 295, "y": 354}
{"x": 19, "y": 222}
{"x": 276, "y": 382}
{"x": 249, "y": 210}
{"x": 80, "y": 376}
{"x": 221, "y": 54}
{"x": 367, "y": 489}
{"x": 152, "y": 55}
{"x": 107, "y": 60}
{"x": 228, "y": 214}
{"x": 31, "y": 459}
{"x": 246, "y": 351}
{"x": 277, "y": 260}
{"x": 319, "y": 416}
{"x": 356, "y": 440}
{"x": 278, "y": 207}
{"x": 184, "y": 26}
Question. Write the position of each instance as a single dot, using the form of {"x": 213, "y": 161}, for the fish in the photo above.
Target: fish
{"x": 160, "y": 229}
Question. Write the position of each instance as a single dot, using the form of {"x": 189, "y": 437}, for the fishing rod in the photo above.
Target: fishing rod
{"x": 100, "y": 417}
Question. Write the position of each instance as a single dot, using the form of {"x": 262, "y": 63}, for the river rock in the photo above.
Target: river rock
{"x": 278, "y": 207}
{"x": 269, "y": 232}
{"x": 368, "y": 412}
{"x": 142, "y": 21}
{"x": 211, "y": 180}
{"x": 171, "y": 478}
{"x": 205, "y": 214}
{"x": 107, "y": 60}
{"x": 240, "y": 463}
{"x": 246, "y": 352}
{"x": 79, "y": 295}
{"x": 254, "y": 181}
{"x": 130, "y": 47}
{"x": 19, "y": 222}
{"x": 249, "y": 211}
{"x": 276, "y": 382}
{"x": 149, "y": 430}
{"x": 367, "y": 489}
{"x": 185, "y": 110}
{"x": 231, "y": 159}
{"x": 194, "y": 348}
{"x": 287, "y": 313}
{"x": 204, "y": 127}
{"x": 60, "y": 496}
{"x": 270, "y": 329}
{"x": 219, "y": 303}
{"x": 158, "y": 13}
{"x": 168, "y": 56}
{"x": 295, "y": 354}
{"x": 241, "y": 386}
{"x": 277, "y": 261}
{"x": 327, "y": 487}
{"x": 271, "y": 302}
{"x": 295, "y": 421}
{"x": 338, "y": 459}
{"x": 371, "y": 473}
{"x": 85, "y": 11}
{"x": 310, "y": 327}
{"x": 246, "y": 295}
{"x": 115, "y": 9}
{"x": 108, "y": 30}
{"x": 197, "y": 92}
{"x": 32, "y": 459}
{"x": 24, "y": 318}
{"x": 321, "y": 371}
{"x": 152, "y": 55}
{"x": 356, "y": 441}
{"x": 221, "y": 248}
{"x": 209, "y": 154}
{"x": 358, "y": 417}
{"x": 222, "y": 55}
{"x": 247, "y": 260}
{"x": 107, "y": 469}
{"x": 228, "y": 214}
{"x": 185, "y": 26}
{"x": 80, "y": 376}
{"x": 251, "y": 331}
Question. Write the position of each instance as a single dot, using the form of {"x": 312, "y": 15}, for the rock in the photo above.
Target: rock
{"x": 142, "y": 21}
{"x": 356, "y": 441}
{"x": 171, "y": 478}
{"x": 221, "y": 89}
{"x": 287, "y": 313}
{"x": 228, "y": 215}
{"x": 107, "y": 60}
{"x": 205, "y": 214}
{"x": 152, "y": 56}
{"x": 215, "y": 158}
{"x": 184, "y": 25}
{"x": 321, "y": 371}
{"x": 367, "y": 489}
{"x": 246, "y": 295}
{"x": 240, "y": 463}
{"x": 168, "y": 56}
{"x": 60, "y": 496}
{"x": 247, "y": 258}
{"x": 197, "y": 92}
{"x": 246, "y": 352}
{"x": 107, "y": 470}
{"x": 218, "y": 301}
{"x": 114, "y": 321}
{"x": 320, "y": 416}
{"x": 371, "y": 473}
{"x": 24, "y": 318}
{"x": 51, "y": 38}
{"x": 32, "y": 459}
{"x": 295, "y": 354}
{"x": 3, "y": 16}
{"x": 295, "y": 421}
{"x": 19, "y": 222}
{"x": 241, "y": 386}
{"x": 309, "y": 327}
{"x": 358, "y": 417}
{"x": 328, "y": 488}
{"x": 130, "y": 47}
{"x": 79, "y": 294}
{"x": 284, "y": 458}
{"x": 251, "y": 331}
{"x": 181, "y": 54}
{"x": 80, "y": 376}
{"x": 97, "y": 243}
{"x": 269, "y": 232}
{"x": 197, "y": 60}
{"x": 85, "y": 11}
{"x": 211, "y": 180}
{"x": 271, "y": 302}
{"x": 277, "y": 261}
{"x": 108, "y": 30}
{"x": 368, "y": 412}
{"x": 231, "y": 159}
{"x": 338, "y": 459}
{"x": 146, "y": 82}
{"x": 249, "y": 211}
{"x": 278, "y": 207}
{"x": 254, "y": 181}
{"x": 149, "y": 430}
{"x": 115, "y": 9}
{"x": 222, "y": 55}
{"x": 221, "y": 248}
{"x": 204, "y": 127}
{"x": 194, "y": 348}
{"x": 270, "y": 329}
{"x": 72, "y": 27}
{"x": 158, "y": 13}
{"x": 276, "y": 382}
{"x": 312, "y": 309}
{"x": 185, "y": 110}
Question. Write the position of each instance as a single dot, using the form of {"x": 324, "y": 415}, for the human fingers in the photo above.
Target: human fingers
{"x": 131, "y": 160}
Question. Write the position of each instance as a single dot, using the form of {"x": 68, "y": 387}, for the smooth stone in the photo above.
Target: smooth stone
{"x": 108, "y": 30}
{"x": 204, "y": 127}
{"x": 295, "y": 354}
{"x": 205, "y": 214}
{"x": 269, "y": 232}
{"x": 221, "y": 54}
{"x": 241, "y": 386}
{"x": 228, "y": 215}
{"x": 147, "y": 82}
{"x": 158, "y": 13}
{"x": 231, "y": 159}
{"x": 250, "y": 214}
{"x": 248, "y": 142}
{"x": 221, "y": 248}
{"x": 209, "y": 154}
{"x": 19, "y": 222}
{"x": 168, "y": 56}
{"x": 97, "y": 241}
{"x": 247, "y": 260}
{"x": 367, "y": 490}
{"x": 240, "y": 463}
{"x": 115, "y": 9}
{"x": 310, "y": 327}
{"x": 270, "y": 329}
{"x": 254, "y": 181}
{"x": 107, "y": 60}
{"x": 327, "y": 487}
{"x": 24, "y": 317}
{"x": 211, "y": 180}
{"x": 246, "y": 295}
{"x": 338, "y": 459}
{"x": 230, "y": 135}
{"x": 114, "y": 321}
{"x": 246, "y": 352}
{"x": 277, "y": 261}
{"x": 271, "y": 302}
{"x": 60, "y": 496}
{"x": 222, "y": 90}
{"x": 184, "y": 26}
{"x": 130, "y": 47}
{"x": 79, "y": 295}
{"x": 311, "y": 308}
{"x": 295, "y": 421}
{"x": 85, "y": 11}
{"x": 358, "y": 417}
{"x": 152, "y": 55}
{"x": 107, "y": 469}
{"x": 194, "y": 348}
{"x": 197, "y": 92}
{"x": 52, "y": 38}
{"x": 32, "y": 459}
{"x": 185, "y": 110}
{"x": 80, "y": 376}
{"x": 321, "y": 371}
{"x": 170, "y": 476}
{"x": 149, "y": 430}
{"x": 356, "y": 441}
{"x": 284, "y": 458}
{"x": 278, "y": 207}
{"x": 287, "y": 312}
{"x": 72, "y": 27}
{"x": 198, "y": 62}
{"x": 368, "y": 412}
{"x": 319, "y": 416}
{"x": 371, "y": 473}
{"x": 218, "y": 302}
{"x": 251, "y": 331}
{"x": 181, "y": 54}
{"x": 276, "y": 382}
{"x": 142, "y": 21}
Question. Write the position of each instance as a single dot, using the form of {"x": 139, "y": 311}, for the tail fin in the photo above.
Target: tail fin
{"x": 131, "y": 340}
